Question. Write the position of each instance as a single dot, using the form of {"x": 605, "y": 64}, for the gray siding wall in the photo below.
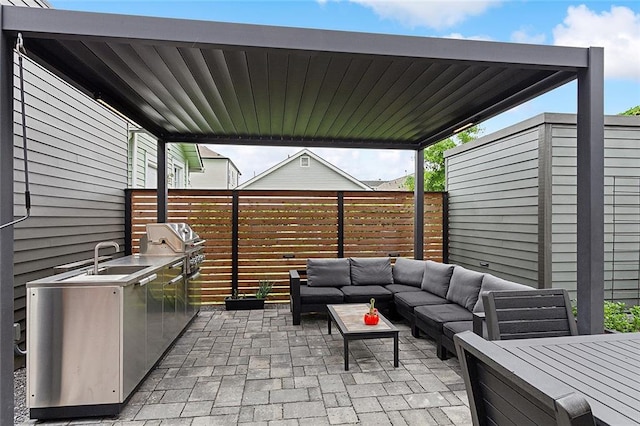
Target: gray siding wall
{"x": 493, "y": 206}
{"x": 622, "y": 206}
{"x": 293, "y": 176}
{"x": 215, "y": 176}
{"x": 501, "y": 209}
{"x": 78, "y": 172}
{"x": 146, "y": 148}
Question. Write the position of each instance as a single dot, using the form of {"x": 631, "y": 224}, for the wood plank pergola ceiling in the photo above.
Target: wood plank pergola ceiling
{"x": 196, "y": 81}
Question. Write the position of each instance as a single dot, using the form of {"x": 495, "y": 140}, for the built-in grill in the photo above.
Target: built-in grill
{"x": 169, "y": 239}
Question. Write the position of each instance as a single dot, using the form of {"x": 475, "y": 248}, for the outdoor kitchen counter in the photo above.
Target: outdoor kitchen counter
{"x": 93, "y": 338}
{"x": 84, "y": 276}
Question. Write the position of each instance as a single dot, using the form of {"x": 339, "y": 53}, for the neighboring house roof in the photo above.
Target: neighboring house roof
{"x": 192, "y": 156}
{"x": 209, "y": 154}
{"x": 278, "y": 167}
{"x": 396, "y": 184}
{"x": 189, "y": 151}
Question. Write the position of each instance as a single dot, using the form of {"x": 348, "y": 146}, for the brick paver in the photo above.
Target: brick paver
{"x": 257, "y": 368}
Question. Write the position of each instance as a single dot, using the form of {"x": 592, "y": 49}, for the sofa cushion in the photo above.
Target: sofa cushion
{"x": 400, "y": 288}
{"x": 454, "y": 327}
{"x": 320, "y": 295}
{"x": 436, "y": 277}
{"x": 412, "y": 299}
{"x": 371, "y": 271}
{"x": 328, "y": 272}
{"x": 363, "y": 293}
{"x": 408, "y": 272}
{"x": 491, "y": 283}
{"x": 434, "y": 316}
{"x": 464, "y": 287}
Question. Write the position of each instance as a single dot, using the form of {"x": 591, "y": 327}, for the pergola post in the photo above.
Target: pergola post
{"x": 6, "y": 234}
{"x": 590, "y": 195}
{"x": 418, "y": 215}
{"x": 163, "y": 191}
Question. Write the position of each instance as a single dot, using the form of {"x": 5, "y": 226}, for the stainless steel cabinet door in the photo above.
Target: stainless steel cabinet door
{"x": 155, "y": 341}
{"x": 134, "y": 338}
{"x": 73, "y": 346}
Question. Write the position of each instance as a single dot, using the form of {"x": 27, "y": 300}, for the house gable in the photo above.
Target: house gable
{"x": 305, "y": 171}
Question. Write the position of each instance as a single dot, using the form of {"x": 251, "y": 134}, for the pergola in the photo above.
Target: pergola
{"x": 221, "y": 83}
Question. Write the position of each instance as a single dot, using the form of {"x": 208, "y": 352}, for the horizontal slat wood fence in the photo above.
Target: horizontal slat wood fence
{"x": 278, "y": 230}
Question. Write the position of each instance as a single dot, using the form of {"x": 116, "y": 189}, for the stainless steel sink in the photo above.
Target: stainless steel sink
{"x": 119, "y": 269}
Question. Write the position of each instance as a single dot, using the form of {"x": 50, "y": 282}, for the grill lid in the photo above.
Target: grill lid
{"x": 178, "y": 236}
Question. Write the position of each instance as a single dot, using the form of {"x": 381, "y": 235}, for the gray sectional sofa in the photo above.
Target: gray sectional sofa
{"x": 436, "y": 299}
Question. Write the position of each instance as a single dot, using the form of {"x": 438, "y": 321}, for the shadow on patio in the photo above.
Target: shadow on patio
{"x": 255, "y": 367}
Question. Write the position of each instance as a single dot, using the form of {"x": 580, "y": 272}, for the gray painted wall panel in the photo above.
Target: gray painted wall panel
{"x": 78, "y": 172}
{"x": 472, "y": 167}
{"x": 493, "y": 217}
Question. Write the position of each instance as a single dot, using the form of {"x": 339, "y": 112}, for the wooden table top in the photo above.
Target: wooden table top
{"x": 605, "y": 368}
{"x": 350, "y": 316}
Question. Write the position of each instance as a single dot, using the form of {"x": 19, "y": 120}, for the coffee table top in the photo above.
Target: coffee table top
{"x": 350, "y": 319}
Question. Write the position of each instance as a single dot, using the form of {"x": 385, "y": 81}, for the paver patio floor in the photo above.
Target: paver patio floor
{"x": 256, "y": 368}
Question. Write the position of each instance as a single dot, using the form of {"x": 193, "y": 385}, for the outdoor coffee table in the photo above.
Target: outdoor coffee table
{"x": 350, "y": 321}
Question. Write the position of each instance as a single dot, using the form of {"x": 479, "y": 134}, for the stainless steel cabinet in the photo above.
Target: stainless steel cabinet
{"x": 90, "y": 343}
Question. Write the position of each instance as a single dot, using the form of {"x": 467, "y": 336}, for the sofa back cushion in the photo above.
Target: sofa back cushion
{"x": 436, "y": 278}
{"x": 328, "y": 272}
{"x": 408, "y": 272}
{"x": 371, "y": 271}
{"x": 465, "y": 287}
{"x": 491, "y": 283}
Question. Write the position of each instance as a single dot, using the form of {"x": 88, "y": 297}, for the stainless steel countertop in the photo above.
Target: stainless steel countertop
{"x": 80, "y": 276}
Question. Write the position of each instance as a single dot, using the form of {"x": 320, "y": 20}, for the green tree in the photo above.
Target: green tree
{"x": 434, "y": 159}
{"x": 632, "y": 111}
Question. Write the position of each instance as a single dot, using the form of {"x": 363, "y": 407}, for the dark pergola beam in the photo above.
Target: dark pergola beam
{"x": 292, "y": 142}
{"x": 418, "y": 213}
{"x": 61, "y": 24}
{"x": 590, "y": 195}
{"x": 6, "y": 234}
{"x": 163, "y": 188}
{"x": 552, "y": 82}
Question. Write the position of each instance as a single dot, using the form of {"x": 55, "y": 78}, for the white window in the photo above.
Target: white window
{"x": 178, "y": 176}
{"x": 305, "y": 161}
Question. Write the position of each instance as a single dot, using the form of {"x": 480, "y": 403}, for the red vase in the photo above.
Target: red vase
{"x": 371, "y": 319}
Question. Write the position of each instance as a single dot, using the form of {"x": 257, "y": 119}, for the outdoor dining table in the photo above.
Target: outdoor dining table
{"x": 605, "y": 368}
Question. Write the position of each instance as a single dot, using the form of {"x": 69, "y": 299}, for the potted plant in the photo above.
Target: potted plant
{"x": 371, "y": 317}
{"x": 239, "y": 302}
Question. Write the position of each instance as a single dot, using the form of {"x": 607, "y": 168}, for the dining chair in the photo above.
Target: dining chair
{"x": 500, "y": 396}
{"x": 528, "y": 314}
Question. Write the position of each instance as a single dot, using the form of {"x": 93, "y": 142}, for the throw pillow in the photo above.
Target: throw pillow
{"x": 464, "y": 287}
{"x": 436, "y": 278}
{"x": 371, "y": 271}
{"x": 328, "y": 272}
{"x": 408, "y": 271}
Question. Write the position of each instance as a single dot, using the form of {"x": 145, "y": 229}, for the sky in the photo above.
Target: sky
{"x": 612, "y": 25}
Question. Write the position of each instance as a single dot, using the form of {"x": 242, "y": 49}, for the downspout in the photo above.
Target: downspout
{"x": 134, "y": 160}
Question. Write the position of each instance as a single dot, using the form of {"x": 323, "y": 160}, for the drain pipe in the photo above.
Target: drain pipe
{"x": 16, "y": 339}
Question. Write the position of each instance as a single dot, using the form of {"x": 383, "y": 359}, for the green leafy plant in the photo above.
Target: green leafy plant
{"x": 619, "y": 317}
{"x": 264, "y": 288}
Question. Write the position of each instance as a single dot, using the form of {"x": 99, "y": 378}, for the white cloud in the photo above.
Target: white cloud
{"x": 523, "y": 36}
{"x": 436, "y": 14}
{"x": 459, "y": 36}
{"x": 617, "y": 30}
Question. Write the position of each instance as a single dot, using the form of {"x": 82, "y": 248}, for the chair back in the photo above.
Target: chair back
{"x": 504, "y": 390}
{"x": 528, "y": 314}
